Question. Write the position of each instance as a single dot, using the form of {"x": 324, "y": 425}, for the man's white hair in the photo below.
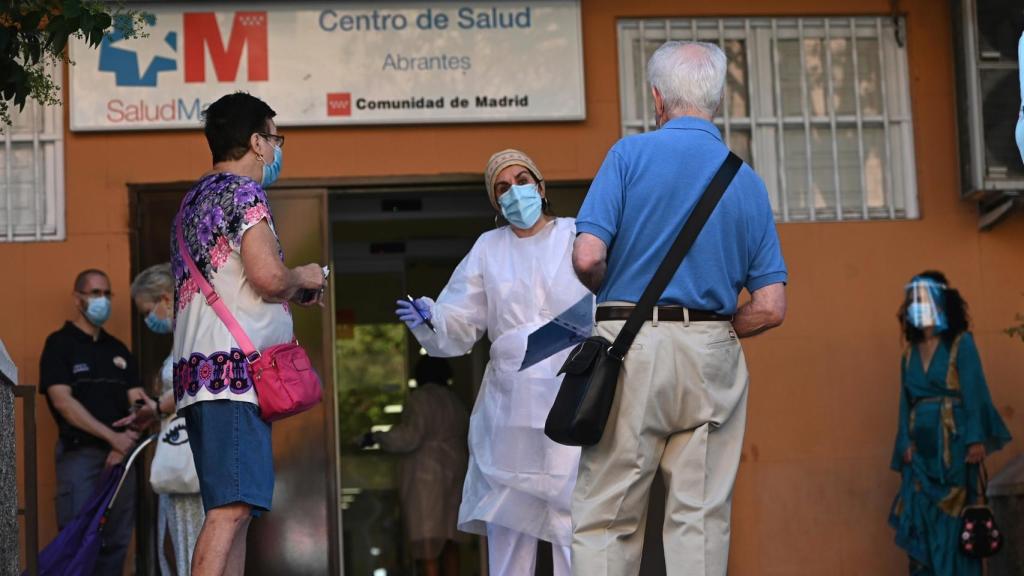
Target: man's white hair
{"x": 689, "y": 76}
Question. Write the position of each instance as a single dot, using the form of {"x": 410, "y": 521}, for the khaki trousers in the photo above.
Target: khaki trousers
{"x": 680, "y": 405}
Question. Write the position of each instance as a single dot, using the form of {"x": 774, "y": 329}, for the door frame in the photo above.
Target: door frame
{"x": 140, "y": 197}
{"x": 140, "y": 193}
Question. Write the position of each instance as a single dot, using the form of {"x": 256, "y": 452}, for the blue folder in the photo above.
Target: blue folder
{"x": 565, "y": 330}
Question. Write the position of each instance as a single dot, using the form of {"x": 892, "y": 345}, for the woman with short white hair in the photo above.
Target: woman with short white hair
{"x": 179, "y": 516}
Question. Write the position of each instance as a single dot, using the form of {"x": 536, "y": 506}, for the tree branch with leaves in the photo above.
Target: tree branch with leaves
{"x": 34, "y": 35}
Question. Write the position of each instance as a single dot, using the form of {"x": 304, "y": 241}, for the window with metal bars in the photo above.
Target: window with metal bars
{"x": 820, "y": 107}
{"x": 32, "y": 175}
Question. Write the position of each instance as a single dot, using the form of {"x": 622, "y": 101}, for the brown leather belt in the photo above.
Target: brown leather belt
{"x": 665, "y": 314}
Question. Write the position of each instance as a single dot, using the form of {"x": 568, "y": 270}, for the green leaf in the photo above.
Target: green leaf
{"x": 57, "y": 42}
{"x": 33, "y": 50}
{"x": 14, "y": 46}
{"x": 25, "y": 49}
{"x": 18, "y": 79}
{"x": 57, "y": 22}
{"x": 55, "y": 31}
{"x": 72, "y": 8}
{"x": 85, "y": 22}
{"x": 30, "y": 20}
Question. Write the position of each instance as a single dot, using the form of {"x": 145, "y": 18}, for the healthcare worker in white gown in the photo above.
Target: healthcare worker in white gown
{"x": 516, "y": 278}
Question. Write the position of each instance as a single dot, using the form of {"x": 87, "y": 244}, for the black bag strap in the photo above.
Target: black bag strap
{"x": 694, "y": 224}
{"x": 982, "y": 471}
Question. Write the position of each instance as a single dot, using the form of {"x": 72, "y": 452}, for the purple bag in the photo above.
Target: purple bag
{"x": 77, "y": 547}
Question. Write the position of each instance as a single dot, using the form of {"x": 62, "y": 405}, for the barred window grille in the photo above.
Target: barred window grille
{"x": 32, "y": 175}
{"x": 820, "y": 107}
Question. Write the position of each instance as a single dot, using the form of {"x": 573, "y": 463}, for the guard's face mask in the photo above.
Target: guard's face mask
{"x": 97, "y": 310}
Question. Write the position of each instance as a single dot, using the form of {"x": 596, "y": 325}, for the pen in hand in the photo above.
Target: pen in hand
{"x": 425, "y": 319}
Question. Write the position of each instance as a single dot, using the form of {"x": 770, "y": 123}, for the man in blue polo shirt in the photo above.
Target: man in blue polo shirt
{"x": 681, "y": 402}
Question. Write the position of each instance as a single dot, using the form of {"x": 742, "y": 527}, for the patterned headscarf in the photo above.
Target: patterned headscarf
{"x": 501, "y": 160}
{"x": 926, "y": 304}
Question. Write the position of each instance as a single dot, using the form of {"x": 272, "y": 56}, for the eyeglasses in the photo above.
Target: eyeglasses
{"x": 275, "y": 139}
{"x": 96, "y": 293}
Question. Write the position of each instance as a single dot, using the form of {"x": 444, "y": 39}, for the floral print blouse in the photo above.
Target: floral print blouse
{"x": 209, "y": 365}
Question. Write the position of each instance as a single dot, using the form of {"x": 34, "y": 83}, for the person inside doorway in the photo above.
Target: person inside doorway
{"x": 514, "y": 280}
{"x": 431, "y": 439}
{"x": 90, "y": 379}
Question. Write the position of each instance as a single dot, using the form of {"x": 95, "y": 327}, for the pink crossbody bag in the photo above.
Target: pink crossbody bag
{"x": 283, "y": 375}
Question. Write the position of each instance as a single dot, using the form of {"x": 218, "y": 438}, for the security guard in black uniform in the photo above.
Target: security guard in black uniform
{"x": 90, "y": 379}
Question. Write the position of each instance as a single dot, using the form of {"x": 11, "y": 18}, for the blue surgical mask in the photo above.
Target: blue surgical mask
{"x": 158, "y": 324}
{"x": 521, "y": 205}
{"x": 97, "y": 310}
{"x": 273, "y": 170}
{"x": 921, "y": 315}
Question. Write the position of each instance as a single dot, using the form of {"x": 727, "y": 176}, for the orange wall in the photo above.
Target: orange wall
{"x": 814, "y": 490}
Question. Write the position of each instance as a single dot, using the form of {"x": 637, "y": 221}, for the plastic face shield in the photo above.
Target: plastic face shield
{"x": 925, "y": 308}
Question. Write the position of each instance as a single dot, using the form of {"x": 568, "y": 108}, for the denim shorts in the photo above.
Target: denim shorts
{"x": 233, "y": 454}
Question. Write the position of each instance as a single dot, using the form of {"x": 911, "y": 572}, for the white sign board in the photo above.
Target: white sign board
{"x": 331, "y": 63}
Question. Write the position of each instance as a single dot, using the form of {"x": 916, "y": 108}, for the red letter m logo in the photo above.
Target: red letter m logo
{"x": 249, "y": 30}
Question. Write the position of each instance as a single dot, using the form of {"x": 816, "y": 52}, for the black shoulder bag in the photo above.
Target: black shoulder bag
{"x": 584, "y": 401}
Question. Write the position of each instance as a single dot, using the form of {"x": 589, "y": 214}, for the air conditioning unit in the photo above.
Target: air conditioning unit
{"x": 986, "y": 33}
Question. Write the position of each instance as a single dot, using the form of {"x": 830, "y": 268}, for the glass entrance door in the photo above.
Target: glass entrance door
{"x": 371, "y": 384}
{"x": 379, "y": 257}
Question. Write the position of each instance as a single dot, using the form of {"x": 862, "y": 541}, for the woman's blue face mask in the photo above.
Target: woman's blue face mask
{"x": 521, "y": 205}
{"x": 157, "y": 323}
{"x": 273, "y": 170}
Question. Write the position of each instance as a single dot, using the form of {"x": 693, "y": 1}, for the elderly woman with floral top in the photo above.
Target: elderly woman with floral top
{"x": 229, "y": 233}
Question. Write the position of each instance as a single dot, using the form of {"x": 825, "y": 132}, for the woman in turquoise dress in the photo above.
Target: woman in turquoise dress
{"x": 947, "y": 426}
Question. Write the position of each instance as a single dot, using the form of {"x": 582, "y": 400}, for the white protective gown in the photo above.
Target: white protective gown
{"x": 508, "y": 287}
